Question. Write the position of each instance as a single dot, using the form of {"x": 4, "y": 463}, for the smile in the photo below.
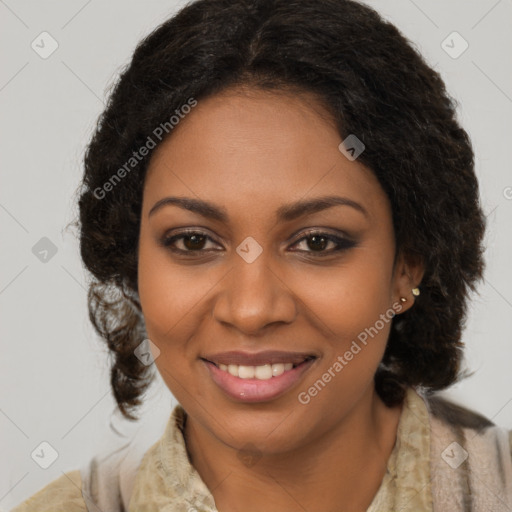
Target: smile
{"x": 263, "y": 372}
{"x": 258, "y": 383}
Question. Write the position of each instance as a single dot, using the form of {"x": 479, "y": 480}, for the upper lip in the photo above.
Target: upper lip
{"x": 258, "y": 358}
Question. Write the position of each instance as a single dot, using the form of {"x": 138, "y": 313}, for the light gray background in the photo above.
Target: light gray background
{"x": 54, "y": 377}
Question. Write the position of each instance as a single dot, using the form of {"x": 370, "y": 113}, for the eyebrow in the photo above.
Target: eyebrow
{"x": 285, "y": 213}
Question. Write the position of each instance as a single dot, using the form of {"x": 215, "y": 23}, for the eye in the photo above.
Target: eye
{"x": 323, "y": 243}
{"x": 318, "y": 243}
{"x": 188, "y": 242}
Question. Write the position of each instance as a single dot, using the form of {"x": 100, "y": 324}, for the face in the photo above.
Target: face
{"x": 262, "y": 247}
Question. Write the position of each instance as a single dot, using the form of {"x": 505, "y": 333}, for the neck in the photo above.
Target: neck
{"x": 340, "y": 470}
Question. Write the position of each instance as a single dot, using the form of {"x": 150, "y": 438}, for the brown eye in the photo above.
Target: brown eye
{"x": 323, "y": 244}
{"x": 317, "y": 242}
{"x": 190, "y": 242}
{"x": 194, "y": 242}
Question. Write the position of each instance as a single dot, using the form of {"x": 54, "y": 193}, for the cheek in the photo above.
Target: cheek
{"x": 349, "y": 297}
{"x": 352, "y": 351}
{"x": 351, "y": 304}
{"x": 167, "y": 292}
{"x": 166, "y": 298}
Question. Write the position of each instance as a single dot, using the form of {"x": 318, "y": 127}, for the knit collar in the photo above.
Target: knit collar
{"x": 167, "y": 481}
{"x": 406, "y": 484}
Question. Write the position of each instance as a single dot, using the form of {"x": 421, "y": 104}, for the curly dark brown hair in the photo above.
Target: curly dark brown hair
{"x": 374, "y": 84}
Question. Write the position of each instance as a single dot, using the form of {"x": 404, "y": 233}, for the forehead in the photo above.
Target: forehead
{"x": 245, "y": 147}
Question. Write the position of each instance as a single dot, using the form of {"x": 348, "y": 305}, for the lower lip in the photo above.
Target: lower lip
{"x": 256, "y": 390}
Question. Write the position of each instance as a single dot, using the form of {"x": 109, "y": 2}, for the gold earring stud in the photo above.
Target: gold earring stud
{"x": 415, "y": 291}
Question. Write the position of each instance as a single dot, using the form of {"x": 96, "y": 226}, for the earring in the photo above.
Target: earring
{"x": 403, "y": 299}
{"x": 415, "y": 291}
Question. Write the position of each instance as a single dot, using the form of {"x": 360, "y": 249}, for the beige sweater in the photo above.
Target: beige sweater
{"x": 445, "y": 459}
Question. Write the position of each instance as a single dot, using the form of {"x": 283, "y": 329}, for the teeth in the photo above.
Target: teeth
{"x": 264, "y": 372}
{"x": 246, "y": 372}
{"x": 277, "y": 369}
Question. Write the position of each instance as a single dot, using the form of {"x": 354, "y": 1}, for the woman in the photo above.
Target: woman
{"x": 279, "y": 197}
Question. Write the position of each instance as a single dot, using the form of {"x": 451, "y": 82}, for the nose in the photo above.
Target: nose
{"x": 254, "y": 296}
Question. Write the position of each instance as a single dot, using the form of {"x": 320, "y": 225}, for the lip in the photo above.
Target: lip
{"x": 256, "y": 390}
{"x": 257, "y": 358}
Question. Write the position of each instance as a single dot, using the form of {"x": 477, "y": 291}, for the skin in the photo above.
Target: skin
{"x": 250, "y": 152}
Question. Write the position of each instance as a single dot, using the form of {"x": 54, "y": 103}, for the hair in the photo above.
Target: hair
{"x": 374, "y": 84}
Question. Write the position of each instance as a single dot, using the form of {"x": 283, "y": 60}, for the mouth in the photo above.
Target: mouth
{"x": 261, "y": 372}
{"x": 270, "y": 375}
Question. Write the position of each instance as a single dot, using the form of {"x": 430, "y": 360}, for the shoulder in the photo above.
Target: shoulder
{"x": 62, "y": 495}
{"x": 469, "y": 428}
{"x": 471, "y": 458}
{"x": 457, "y": 415}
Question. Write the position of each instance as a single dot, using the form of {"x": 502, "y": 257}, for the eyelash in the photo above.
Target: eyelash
{"x": 341, "y": 243}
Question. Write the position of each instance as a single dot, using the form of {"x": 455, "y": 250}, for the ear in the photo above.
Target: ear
{"x": 408, "y": 273}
